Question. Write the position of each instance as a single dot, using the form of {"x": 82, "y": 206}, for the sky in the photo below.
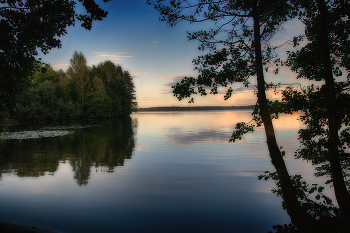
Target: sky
{"x": 156, "y": 55}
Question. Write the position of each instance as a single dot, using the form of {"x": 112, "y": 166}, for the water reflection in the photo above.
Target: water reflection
{"x": 38, "y": 153}
{"x": 184, "y": 176}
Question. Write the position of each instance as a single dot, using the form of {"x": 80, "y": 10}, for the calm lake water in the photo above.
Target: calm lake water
{"x": 152, "y": 172}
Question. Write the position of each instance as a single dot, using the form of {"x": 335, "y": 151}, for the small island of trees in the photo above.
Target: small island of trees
{"x": 82, "y": 92}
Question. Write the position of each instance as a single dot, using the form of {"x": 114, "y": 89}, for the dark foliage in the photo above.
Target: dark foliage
{"x": 29, "y": 26}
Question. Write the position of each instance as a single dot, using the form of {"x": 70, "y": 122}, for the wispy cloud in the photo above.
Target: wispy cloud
{"x": 166, "y": 91}
{"x": 97, "y": 57}
{"x": 170, "y": 81}
{"x": 148, "y": 98}
{"x": 111, "y": 56}
{"x": 139, "y": 73}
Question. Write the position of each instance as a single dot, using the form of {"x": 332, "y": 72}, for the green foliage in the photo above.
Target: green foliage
{"x": 30, "y": 26}
{"x": 43, "y": 72}
{"x": 241, "y": 129}
{"x": 82, "y": 93}
{"x": 78, "y": 73}
{"x": 39, "y": 103}
{"x": 119, "y": 86}
{"x": 98, "y": 102}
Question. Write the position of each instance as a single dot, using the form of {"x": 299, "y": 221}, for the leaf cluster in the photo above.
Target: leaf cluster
{"x": 311, "y": 197}
{"x": 339, "y": 41}
{"x": 314, "y": 138}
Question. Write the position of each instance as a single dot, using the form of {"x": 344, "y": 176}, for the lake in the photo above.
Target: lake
{"x": 151, "y": 172}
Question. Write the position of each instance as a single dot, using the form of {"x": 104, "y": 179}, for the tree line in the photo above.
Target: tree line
{"x": 82, "y": 92}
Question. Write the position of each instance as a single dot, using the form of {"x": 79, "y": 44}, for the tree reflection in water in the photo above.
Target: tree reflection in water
{"x": 104, "y": 145}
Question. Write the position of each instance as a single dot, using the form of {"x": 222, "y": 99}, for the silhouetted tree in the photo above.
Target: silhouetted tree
{"x": 325, "y": 140}
{"x": 29, "y": 26}
{"x": 239, "y": 48}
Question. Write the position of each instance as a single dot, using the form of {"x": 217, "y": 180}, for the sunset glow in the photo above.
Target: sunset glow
{"x": 157, "y": 56}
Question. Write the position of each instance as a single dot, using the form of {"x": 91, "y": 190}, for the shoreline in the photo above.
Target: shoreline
{"x": 194, "y": 108}
{"x": 14, "y": 228}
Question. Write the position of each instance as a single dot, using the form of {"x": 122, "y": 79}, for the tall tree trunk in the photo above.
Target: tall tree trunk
{"x": 299, "y": 218}
{"x": 341, "y": 192}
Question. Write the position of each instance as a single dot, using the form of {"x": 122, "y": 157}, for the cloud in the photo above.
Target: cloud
{"x": 103, "y": 56}
{"x": 92, "y": 59}
{"x": 167, "y": 91}
{"x": 139, "y": 73}
{"x": 112, "y": 55}
{"x": 238, "y": 88}
{"x": 148, "y": 98}
{"x": 63, "y": 66}
{"x": 171, "y": 81}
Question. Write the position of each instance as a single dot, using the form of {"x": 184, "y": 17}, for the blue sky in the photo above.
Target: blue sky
{"x": 157, "y": 56}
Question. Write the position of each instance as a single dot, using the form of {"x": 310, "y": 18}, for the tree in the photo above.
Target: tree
{"x": 42, "y": 100}
{"x": 78, "y": 72}
{"x": 127, "y": 94}
{"x": 44, "y": 72}
{"x": 119, "y": 86}
{"x": 109, "y": 73}
{"x": 98, "y": 102}
{"x": 27, "y": 26}
{"x": 99, "y": 92}
{"x": 239, "y": 48}
{"x": 326, "y": 138}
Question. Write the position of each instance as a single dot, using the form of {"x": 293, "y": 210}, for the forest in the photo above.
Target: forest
{"x": 82, "y": 92}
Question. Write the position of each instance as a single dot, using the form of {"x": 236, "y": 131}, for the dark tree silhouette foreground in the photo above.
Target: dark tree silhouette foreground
{"x": 239, "y": 48}
{"x": 27, "y": 26}
{"x": 243, "y": 29}
{"x": 327, "y": 31}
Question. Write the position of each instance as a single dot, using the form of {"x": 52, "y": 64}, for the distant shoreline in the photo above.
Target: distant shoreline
{"x": 194, "y": 108}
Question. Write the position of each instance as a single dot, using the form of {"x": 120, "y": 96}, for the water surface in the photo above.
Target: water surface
{"x": 153, "y": 172}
